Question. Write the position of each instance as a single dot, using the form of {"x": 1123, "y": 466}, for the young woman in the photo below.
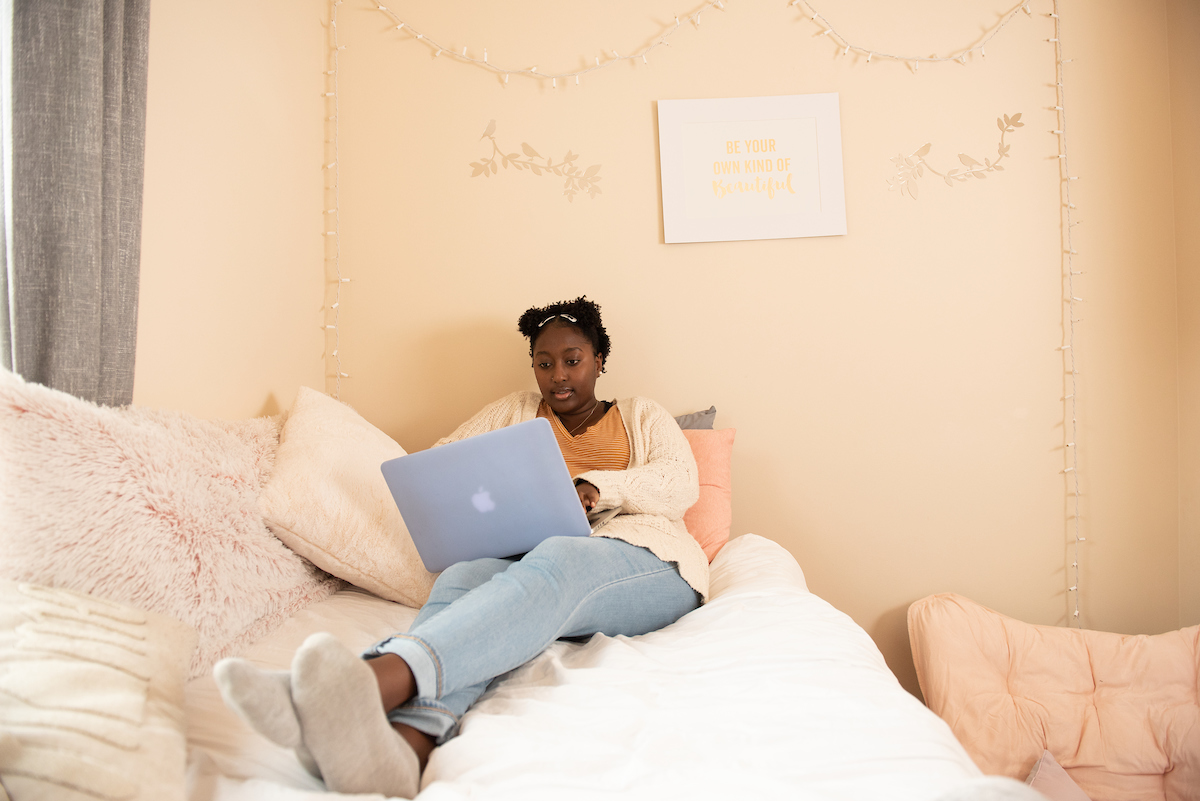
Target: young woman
{"x": 369, "y": 726}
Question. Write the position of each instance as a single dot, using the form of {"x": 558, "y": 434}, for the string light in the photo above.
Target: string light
{"x": 485, "y": 62}
{"x": 827, "y": 29}
{"x": 1072, "y": 300}
{"x": 334, "y": 327}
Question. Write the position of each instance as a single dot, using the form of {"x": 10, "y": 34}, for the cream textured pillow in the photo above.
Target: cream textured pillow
{"x": 327, "y": 500}
{"x": 91, "y": 698}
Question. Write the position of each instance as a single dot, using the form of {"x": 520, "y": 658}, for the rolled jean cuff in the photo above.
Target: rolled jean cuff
{"x": 421, "y": 659}
{"x": 428, "y": 716}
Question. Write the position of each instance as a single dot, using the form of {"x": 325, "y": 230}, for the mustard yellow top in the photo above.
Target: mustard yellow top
{"x": 604, "y": 445}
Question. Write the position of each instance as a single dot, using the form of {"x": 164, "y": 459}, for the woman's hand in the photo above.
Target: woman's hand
{"x": 589, "y": 496}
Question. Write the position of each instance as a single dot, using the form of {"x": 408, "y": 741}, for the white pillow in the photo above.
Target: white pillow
{"x": 327, "y": 500}
{"x": 91, "y": 697}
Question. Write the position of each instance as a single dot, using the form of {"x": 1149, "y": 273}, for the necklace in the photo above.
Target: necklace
{"x": 589, "y": 417}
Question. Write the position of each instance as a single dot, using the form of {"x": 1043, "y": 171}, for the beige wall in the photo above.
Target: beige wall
{"x": 897, "y": 391}
{"x": 230, "y": 307}
{"x": 1183, "y": 17}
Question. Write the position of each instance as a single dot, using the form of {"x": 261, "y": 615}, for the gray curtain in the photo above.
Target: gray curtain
{"x": 78, "y": 132}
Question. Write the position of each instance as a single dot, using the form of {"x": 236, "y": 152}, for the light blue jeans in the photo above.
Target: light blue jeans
{"x": 489, "y": 616}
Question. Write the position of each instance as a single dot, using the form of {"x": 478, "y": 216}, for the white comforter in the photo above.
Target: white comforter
{"x": 767, "y": 691}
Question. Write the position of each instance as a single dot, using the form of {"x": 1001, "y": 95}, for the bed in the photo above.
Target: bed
{"x": 766, "y": 691}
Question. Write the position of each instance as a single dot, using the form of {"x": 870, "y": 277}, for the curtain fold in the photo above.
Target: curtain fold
{"x": 78, "y": 140}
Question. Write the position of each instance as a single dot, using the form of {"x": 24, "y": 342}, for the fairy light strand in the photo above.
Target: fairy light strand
{"x": 333, "y": 225}
{"x": 1072, "y": 300}
{"x": 871, "y": 53}
{"x": 534, "y": 71}
{"x": 603, "y": 62}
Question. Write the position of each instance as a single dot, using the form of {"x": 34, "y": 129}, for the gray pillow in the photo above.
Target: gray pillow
{"x": 703, "y": 419}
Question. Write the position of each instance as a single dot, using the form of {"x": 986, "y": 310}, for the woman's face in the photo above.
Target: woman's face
{"x": 566, "y": 366}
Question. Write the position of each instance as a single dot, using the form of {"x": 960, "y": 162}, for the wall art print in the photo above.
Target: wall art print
{"x": 577, "y": 178}
{"x": 910, "y": 168}
{"x": 751, "y": 168}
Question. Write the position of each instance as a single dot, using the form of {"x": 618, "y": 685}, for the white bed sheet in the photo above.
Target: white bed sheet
{"x": 767, "y": 691}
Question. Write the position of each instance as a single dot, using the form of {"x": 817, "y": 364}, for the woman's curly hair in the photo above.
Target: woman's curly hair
{"x": 586, "y": 318}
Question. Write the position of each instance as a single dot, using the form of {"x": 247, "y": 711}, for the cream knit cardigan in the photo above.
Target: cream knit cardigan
{"x": 658, "y": 487}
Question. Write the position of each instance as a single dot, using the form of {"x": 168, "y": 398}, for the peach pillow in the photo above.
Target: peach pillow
{"x": 1120, "y": 709}
{"x": 709, "y": 520}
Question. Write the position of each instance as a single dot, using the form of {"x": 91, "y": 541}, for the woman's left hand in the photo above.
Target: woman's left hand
{"x": 589, "y": 496}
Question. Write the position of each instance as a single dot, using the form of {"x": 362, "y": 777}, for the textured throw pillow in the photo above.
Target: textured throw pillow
{"x": 701, "y": 420}
{"x": 710, "y": 518}
{"x": 328, "y": 501}
{"x": 91, "y": 698}
{"x": 156, "y": 509}
{"x": 1049, "y": 779}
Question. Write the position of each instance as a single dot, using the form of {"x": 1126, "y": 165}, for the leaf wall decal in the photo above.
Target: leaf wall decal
{"x": 576, "y": 179}
{"x": 910, "y": 168}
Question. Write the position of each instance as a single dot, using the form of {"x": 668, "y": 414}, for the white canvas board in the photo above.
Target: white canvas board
{"x": 751, "y": 168}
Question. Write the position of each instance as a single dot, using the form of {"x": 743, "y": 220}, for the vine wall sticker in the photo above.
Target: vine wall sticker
{"x": 910, "y": 168}
{"x": 578, "y": 180}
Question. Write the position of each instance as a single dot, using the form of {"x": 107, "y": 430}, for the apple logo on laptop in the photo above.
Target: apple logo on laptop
{"x": 482, "y": 501}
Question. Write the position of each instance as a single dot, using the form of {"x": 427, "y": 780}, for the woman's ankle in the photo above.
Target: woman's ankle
{"x": 396, "y": 681}
{"x": 421, "y": 742}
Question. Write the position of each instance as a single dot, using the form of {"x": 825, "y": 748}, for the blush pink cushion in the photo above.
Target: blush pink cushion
{"x": 709, "y": 520}
{"x": 1118, "y": 712}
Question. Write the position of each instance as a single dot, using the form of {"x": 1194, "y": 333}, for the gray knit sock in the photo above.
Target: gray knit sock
{"x": 263, "y": 698}
{"x": 343, "y": 723}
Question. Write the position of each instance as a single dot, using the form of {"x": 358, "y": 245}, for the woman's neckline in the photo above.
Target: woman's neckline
{"x": 607, "y": 406}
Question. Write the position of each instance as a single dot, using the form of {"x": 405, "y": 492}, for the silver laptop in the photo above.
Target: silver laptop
{"x": 496, "y": 494}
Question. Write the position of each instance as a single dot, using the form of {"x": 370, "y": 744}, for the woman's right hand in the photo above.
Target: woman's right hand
{"x": 589, "y": 496}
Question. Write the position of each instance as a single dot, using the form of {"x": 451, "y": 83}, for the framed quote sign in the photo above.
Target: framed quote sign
{"x": 751, "y": 168}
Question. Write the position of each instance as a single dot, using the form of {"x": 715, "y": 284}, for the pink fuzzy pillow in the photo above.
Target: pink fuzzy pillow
{"x": 154, "y": 509}
{"x": 710, "y": 518}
